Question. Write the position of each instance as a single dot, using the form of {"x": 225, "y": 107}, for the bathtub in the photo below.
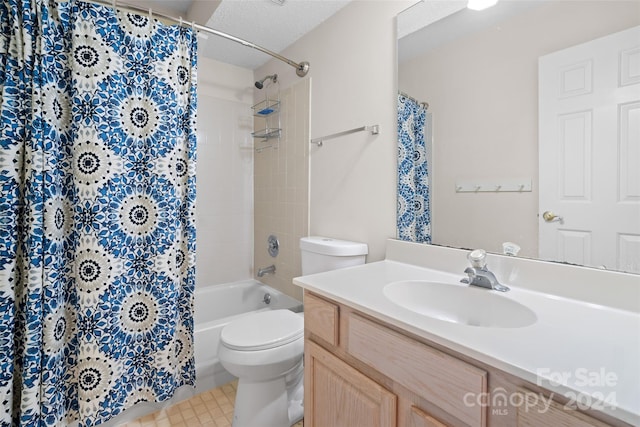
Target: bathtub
{"x": 216, "y": 306}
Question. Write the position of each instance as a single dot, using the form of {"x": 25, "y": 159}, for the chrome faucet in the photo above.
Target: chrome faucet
{"x": 267, "y": 270}
{"x": 478, "y": 273}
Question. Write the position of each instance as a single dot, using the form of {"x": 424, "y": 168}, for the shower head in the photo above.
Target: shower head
{"x": 259, "y": 84}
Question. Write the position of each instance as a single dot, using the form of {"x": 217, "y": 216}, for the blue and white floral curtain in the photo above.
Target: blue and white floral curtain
{"x": 413, "y": 212}
{"x": 97, "y": 231}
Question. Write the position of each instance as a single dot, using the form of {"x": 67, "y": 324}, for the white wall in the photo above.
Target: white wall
{"x": 224, "y": 211}
{"x": 353, "y": 70}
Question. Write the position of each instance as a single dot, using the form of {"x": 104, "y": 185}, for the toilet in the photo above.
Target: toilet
{"x": 265, "y": 350}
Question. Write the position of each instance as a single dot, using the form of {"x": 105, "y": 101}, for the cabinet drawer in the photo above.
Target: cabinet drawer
{"x": 321, "y": 318}
{"x": 534, "y": 411}
{"x": 435, "y": 376}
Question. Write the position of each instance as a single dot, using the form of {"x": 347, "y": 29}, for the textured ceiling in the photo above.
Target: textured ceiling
{"x": 267, "y": 23}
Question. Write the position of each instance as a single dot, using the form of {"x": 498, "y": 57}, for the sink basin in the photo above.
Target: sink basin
{"x": 459, "y": 304}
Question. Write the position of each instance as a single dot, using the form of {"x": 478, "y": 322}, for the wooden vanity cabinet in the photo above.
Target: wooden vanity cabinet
{"x": 360, "y": 372}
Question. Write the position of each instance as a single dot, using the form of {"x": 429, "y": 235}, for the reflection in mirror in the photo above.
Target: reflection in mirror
{"x": 478, "y": 71}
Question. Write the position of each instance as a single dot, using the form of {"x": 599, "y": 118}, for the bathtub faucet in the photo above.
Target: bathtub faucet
{"x": 267, "y": 270}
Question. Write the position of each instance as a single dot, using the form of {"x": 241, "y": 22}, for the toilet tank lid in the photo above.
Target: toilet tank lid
{"x": 333, "y": 247}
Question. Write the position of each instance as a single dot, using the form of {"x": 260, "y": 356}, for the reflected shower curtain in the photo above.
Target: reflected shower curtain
{"x": 97, "y": 231}
{"x": 413, "y": 211}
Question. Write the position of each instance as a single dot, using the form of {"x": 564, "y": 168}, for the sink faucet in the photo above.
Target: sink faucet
{"x": 478, "y": 273}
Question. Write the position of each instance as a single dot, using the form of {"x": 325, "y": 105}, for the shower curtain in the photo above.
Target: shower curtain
{"x": 413, "y": 210}
{"x": 97, "y": 231}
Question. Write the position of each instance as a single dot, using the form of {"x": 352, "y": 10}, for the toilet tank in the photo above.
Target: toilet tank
{"x": 323, "y": 254}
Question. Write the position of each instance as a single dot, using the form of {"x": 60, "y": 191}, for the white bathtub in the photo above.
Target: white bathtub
{"x": 217, "y": 305}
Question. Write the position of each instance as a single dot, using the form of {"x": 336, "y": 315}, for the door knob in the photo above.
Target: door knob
{"x": 549, "y": 216}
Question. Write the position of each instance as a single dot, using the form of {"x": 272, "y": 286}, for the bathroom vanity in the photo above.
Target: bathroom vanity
{"x": 377, "y": 354}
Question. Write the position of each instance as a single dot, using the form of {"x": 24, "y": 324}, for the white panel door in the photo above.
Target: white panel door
{"x": 589, "y": 148}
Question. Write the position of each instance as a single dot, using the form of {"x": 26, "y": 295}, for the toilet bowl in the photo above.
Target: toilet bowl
{"x": 264, "y": 350}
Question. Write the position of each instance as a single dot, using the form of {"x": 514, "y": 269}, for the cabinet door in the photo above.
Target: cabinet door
{"x": 419, "y": 418}
{"x": 337, "y": 395}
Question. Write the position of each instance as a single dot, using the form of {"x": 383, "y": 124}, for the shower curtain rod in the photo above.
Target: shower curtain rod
{"x": 424, "y": 104}
{"x": 302, "y": 68}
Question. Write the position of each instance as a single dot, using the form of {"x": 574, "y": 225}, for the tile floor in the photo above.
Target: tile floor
{"x": 213, "y": 408}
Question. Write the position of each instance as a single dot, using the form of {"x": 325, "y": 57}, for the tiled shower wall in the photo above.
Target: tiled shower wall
{"x": 281, "y": 190}
{"x": 224, "y": 206}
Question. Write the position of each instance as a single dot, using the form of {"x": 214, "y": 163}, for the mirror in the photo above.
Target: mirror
{"x": 478, "y": 71}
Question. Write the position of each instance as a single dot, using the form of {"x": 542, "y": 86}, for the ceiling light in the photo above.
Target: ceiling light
{"x": 278, "y": 2}
{"x": 481, "y": 4}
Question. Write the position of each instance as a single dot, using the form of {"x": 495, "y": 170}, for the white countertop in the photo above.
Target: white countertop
{"x": 579, "y": 349}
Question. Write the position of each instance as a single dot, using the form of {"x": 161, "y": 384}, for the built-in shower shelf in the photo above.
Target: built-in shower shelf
{"x": 266, "y": 108}
{"x": 267, "y": 133}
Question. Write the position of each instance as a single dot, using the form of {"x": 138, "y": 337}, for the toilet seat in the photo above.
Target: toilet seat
{"x": 262, "y": 331}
